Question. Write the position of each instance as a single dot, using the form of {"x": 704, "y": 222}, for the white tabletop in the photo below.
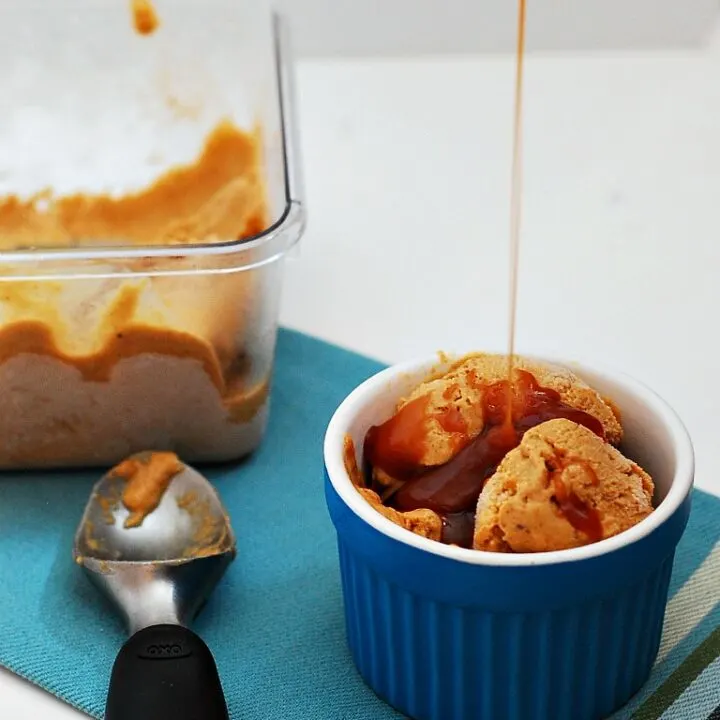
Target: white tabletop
{"x": 407, "y": 171}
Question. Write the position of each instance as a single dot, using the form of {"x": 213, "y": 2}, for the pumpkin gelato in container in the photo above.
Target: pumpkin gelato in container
{"x": 143, "y": 228}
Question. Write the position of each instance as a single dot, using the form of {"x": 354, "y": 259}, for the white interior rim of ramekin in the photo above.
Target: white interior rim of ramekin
{"x": 334, "y": 462}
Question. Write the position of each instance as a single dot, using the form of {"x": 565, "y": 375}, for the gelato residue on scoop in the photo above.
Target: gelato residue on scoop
{"x": 148, "y": 476}
{"x": 455, "y": 464}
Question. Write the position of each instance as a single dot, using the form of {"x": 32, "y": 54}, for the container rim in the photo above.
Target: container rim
{"x": 267, "y": 246}
{"x": 364, "y": 395}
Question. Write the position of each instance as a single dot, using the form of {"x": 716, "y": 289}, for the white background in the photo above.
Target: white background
{"x": 407, "y": 169}
{"x": 402, "y": 27}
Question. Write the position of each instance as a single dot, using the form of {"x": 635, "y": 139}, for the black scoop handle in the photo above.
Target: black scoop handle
{"x": 165, "y": 671}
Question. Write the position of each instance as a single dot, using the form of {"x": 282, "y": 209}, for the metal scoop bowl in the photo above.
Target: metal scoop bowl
{"x": 158, "y": 575}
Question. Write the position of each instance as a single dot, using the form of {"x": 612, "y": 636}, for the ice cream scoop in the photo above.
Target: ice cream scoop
{"x": 158, "y": 562}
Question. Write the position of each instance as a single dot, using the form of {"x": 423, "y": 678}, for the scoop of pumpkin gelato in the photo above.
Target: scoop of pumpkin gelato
{"x": 562, "y": 487}
{"x": 454, "y": 410}
{"x": 422, "y": 522}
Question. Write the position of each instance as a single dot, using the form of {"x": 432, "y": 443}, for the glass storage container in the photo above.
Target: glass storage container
{"x": 148, "y": 195}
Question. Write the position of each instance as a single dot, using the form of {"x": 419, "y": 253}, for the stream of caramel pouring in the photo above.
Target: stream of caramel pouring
{"x": 516, "y": 198}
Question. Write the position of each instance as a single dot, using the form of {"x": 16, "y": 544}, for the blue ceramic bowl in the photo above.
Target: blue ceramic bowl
{"x": 445, "y": 633}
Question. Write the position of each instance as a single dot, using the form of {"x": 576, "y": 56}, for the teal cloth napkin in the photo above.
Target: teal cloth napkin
{"x": 275, "y": 623}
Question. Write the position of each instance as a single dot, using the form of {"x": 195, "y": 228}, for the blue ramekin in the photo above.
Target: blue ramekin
{"x": 444, "y": 633}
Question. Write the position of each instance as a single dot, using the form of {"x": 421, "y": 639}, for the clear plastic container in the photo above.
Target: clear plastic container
{"x": 148, "y": 195}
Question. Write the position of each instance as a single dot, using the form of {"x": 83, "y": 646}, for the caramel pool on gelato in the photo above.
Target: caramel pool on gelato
{"x": 456, "y": 465}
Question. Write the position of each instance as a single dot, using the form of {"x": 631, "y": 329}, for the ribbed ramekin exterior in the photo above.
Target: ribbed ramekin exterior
{"x": 439, "y": 648}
